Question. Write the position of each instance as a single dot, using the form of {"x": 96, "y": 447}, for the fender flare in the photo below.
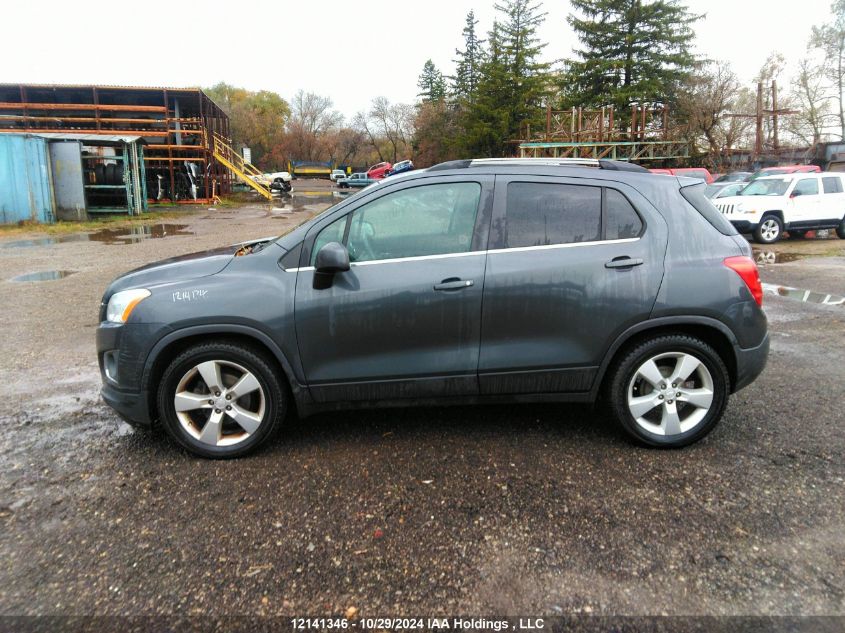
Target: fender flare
{"x": 299, "y": 390}
{"x": 653, "y": 324}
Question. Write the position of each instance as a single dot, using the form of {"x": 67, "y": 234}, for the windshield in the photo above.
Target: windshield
{"x": 768, "y": 187}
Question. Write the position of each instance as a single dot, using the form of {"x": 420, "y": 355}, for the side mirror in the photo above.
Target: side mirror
{"x": 332, "y": 258}
{"x": 795, "y": 194}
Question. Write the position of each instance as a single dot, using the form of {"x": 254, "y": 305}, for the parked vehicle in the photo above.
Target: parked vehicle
{"x": 378, "y": 171}
{"x": 723, "y": 189}
{"x": 337, "y": 174}
{"x": 280, "y": 184}
{"x": 786, "y": 169}
{"x": 358, "y": 179}
{"x": 734, "y": 176}
{"x": 796, "y": 202}
{"x": 401, "y": 167}
{"x": 268, "y": 178}
{"x": 690, "y": 172}
{"x": 403, "y": 295}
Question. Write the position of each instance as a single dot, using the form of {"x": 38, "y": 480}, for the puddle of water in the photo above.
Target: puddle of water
{"x": 135, "y": 234}
{"x": 46, "y": 241}
{"x": 805, "y": 296}
{"x": 125, "y": 235}
{"x": 764, "y": 258}
{"x": 46, "y": 275}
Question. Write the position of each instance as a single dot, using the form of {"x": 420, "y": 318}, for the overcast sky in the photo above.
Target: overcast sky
{"x": 351, "y": 51}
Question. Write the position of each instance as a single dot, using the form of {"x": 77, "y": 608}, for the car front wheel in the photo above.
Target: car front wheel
{"x": 769, "y": 230}
{"x": 221, "y": 399}
{"x": 669, "y": 391}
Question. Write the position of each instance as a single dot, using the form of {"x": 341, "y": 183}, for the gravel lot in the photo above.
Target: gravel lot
{"x": 478, "y": 510}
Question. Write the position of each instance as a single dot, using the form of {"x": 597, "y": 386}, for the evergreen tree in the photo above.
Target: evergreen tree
{"x": 468, "y": 64}
{"x": 431, "y": 83}
{"x": 513, "y": 82}
{"x": 632, "y": 51}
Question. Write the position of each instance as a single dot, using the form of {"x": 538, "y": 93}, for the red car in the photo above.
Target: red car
{"x": 378, "y": 171}
{"x": 787, "y": 169}
{"x": 689, "y": 172}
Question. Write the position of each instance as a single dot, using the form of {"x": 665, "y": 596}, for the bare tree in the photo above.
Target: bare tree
{"x": 312, "y": 118}
{"x": 389, "y": 128}
{"x": 812, "y": 95}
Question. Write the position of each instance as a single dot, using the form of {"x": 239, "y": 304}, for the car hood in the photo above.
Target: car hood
{"x": 181, "y": 268}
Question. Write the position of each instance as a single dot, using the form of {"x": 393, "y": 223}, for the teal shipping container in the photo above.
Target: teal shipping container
{"x": 26, "y": 189}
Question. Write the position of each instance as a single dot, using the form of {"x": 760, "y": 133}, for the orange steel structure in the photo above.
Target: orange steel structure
{"x": 175, "y": 123}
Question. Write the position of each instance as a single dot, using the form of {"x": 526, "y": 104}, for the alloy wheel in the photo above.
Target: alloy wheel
{"x": 670, "y": 393}
{"x": 219, "y": 403}
{"x": 770, "y": 230}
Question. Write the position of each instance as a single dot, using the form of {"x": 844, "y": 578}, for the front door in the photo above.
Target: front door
{"x": 404, "y": 321}
{"x": 571, "y": 265}
{"x": 806, "y": 203}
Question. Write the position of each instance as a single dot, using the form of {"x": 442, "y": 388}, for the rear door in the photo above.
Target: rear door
{"x": 572, "y": 263}
{"x": 833, "y": 199}
{"x": 405, "y": 320}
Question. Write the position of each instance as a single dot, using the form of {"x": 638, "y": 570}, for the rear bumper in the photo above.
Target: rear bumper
{"x": 750, "y": 363}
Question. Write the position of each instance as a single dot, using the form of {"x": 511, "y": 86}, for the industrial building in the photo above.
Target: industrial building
{"x": 135, "y": 146}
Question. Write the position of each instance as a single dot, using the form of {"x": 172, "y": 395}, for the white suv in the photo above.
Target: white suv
{"x": 797, "y": 203}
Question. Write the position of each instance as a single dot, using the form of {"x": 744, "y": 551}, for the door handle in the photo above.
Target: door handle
{"x": 623, "y": 262}
{"x": 453, "y": 283}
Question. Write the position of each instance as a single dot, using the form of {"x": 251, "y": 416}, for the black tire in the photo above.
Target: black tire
{"x": 797, "y": 235}
{"x": 840, "y": 230}
{"x": 254, "y": 360}
{"x": 762, "y": 234}
{"x": 623, "y": 378}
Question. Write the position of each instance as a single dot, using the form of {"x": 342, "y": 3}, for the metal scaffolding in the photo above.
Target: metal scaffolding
{"x": 175, "y": 123}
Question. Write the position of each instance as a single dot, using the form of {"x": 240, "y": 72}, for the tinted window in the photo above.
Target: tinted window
{"x": 426, "y": 220}
{"x": 332, "y": 233}
{"x": 832, "y": 184}
{"x": 806, "y": 187}
{"x": 695, "y": 196}
{"x": 622, "y": 221}
{"x": 540, "y": 214}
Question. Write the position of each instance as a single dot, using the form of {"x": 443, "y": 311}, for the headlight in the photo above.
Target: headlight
{"x": 122, "y": 303}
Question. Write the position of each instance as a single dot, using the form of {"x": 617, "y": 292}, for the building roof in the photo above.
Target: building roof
{"x": 98, "y": 86}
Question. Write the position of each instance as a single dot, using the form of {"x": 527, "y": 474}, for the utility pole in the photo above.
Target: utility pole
{"x": 760, "y": 116}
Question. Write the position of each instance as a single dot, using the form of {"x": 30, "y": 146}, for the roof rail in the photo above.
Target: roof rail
{"x": 601, "y": 163}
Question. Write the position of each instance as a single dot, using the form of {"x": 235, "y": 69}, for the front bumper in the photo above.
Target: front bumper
{"x": 750, "y": 363}
{"x": 744, "y": 226}
{"x": 122, "y": 351}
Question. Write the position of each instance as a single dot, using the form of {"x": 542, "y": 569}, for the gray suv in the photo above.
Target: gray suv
{"x": 482, "y": 281}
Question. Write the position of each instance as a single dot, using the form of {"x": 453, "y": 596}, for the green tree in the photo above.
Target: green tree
{"x": 468, "y": 63}
{"x": 431, "y": 83}
{"x": 631, "y": 51}
{"x": 513, "y": 82}
{"x": 256, "y": 119}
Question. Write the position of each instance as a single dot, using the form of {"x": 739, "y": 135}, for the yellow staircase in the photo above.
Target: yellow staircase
{"x": 235, "y": 163}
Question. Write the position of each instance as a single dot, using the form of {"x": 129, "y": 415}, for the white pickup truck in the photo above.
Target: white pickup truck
{"x": 796, "y": 203}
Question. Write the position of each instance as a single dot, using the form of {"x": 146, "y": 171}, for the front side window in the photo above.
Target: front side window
{"x": 332, "y": 233}
{"x": 426, "y": 220}
{"x": 541, "y": 214}
{"x": 622, "y": 221}
{"x": 806, "y": 187}
{"x": 832, "y": 184}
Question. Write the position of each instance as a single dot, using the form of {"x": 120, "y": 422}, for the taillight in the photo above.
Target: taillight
{"x": 747, "y": 269}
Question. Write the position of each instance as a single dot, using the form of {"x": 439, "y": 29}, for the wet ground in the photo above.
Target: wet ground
{"x": 507, "y": 509}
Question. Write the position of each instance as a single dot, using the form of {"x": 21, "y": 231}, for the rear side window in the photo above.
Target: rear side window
{"x": 832, "y": 184}
{"x": 542, "y": 214}
{"x": 694, "y": 194}
{"x": 622, "y": 221}
{"x": 806, "y": 187}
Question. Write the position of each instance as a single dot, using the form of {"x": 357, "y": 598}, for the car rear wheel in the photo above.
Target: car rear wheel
{"x": 769, "y": 230}
{"x": 840, "y": 230}
{"x": 669, "y": 391}
{"x": 221, "y": 399}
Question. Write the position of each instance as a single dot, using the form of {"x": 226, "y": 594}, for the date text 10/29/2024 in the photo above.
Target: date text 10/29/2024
{"x": 411, "y": 624}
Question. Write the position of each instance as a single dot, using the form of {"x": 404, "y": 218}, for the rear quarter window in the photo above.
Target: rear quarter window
{"x": 694, "y": 194}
